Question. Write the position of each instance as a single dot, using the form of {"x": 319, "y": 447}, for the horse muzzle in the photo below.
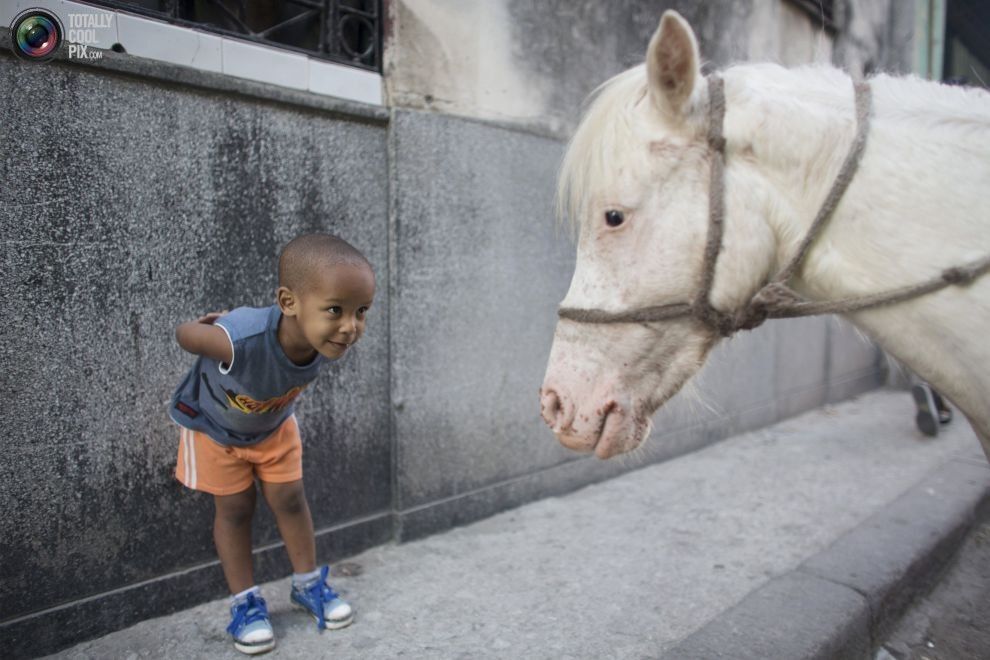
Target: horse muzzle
{"x": 611, "y": 428}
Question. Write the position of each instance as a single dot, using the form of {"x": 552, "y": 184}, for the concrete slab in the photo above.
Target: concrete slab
{"x": 861, "y": 583}
{"x": 764, "y": 626}
{"x": 644, "y": 564}
{"x": 894, "y": 556}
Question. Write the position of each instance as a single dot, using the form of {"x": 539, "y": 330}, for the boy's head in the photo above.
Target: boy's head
{"x": 325, "y": 287}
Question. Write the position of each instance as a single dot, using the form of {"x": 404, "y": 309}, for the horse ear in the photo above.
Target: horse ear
{"x": 672, "y": 64}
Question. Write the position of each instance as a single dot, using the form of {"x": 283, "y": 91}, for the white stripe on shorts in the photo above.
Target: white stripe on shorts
{"x": 192, "y": 460}
{"x": 184, "y": 447}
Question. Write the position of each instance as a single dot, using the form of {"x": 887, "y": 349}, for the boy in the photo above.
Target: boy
{"x": 235, "y": 408}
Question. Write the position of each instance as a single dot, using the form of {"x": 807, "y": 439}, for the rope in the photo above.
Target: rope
{"x": 642, "y": 315}
{"x": 959, "y": 276}
{"x": 864, "y": 103}
{"x": 702, "y": 306}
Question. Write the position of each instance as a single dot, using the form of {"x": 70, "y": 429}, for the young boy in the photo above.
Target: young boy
{"x": 235, "y": 409}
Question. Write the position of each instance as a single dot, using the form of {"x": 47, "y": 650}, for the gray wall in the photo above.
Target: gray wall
{"x": 136, "y": 196}
{"x": 532, "y": 64}
{"x": 129, "y": 205}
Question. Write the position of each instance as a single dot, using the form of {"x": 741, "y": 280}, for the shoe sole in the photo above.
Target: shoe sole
{"x": 331, "y": 625}
{"x": 254, "y": 649}
{"x": 925, "y": 419}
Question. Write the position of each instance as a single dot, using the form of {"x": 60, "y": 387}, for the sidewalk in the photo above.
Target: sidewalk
{"x": 795, "y": 541}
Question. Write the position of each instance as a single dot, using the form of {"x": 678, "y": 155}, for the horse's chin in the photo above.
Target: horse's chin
{"x": 619, "y": 433}
{"x": 624, "y": 437}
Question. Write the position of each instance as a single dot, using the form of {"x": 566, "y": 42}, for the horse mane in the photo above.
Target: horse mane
{"x": 606, "y": 128}
{"x": 610, "y": 129}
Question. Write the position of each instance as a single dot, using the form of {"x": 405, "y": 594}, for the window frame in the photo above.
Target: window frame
{"x": 332, "y": 47}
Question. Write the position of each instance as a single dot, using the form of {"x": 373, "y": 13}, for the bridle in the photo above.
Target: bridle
{"x": 775, "y": 299}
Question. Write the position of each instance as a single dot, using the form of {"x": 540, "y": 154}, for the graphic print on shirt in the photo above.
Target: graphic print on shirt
{"x": 249, "y": 405}
{"x": 213, "y": 395}
{"x": 246, "y": 404}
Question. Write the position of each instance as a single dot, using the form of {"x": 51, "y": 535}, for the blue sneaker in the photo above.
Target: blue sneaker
{"x": 250, "y": 627}
{"x": 323, "y": 603}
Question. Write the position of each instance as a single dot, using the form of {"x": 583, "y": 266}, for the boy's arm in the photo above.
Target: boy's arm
{"x": 201, "y": 337}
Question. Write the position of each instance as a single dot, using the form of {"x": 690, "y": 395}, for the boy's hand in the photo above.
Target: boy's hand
{"x": 210, "y": 317}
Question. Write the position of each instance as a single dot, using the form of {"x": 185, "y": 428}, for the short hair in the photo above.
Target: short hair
{"x": 304, "y": 256}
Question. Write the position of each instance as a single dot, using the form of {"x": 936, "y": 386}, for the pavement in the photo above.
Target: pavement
{"x": 953, "y": 621}
{"x": 806, "y": 539}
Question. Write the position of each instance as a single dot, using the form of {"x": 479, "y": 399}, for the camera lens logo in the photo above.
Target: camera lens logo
{"x": 36, "y": 35}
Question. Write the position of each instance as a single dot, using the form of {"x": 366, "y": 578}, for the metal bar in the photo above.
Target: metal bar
{"x": 359, "y": 12}
{"x": 310, "y": 4}
{"x": 286, "y": 23}
{"x": 324, "y": 13}
{"x": 223, "y": 9}
{"x": 333, "y": 30}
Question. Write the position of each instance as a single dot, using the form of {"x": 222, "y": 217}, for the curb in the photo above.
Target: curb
{"x": 842, "y": 602}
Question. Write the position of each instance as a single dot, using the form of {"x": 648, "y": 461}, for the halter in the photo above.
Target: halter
{"x": 775, "y": 299}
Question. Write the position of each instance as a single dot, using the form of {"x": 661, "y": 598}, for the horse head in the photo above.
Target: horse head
{"x": 635, "y": 184}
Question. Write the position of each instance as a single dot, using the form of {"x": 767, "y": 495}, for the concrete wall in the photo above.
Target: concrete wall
{"x": 129, "y": 205}
{"x": 136, "y": 196}
{"x": 532, "y": 64}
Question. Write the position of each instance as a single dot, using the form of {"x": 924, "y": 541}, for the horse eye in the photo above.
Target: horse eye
{"x": 614, "y": 218}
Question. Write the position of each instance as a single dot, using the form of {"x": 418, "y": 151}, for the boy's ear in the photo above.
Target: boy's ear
{"x": 287, "y": 301}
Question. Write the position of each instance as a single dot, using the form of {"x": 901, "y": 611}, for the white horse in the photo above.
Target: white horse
{"x": 636, "y": 183}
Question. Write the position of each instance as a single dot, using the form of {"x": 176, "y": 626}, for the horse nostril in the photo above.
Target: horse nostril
{"x": 606, "y": 410}
{"x": 612, "y": 408}
{"x": 549, "y": 407}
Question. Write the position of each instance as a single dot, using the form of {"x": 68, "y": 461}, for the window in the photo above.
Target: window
{"x": 343, "y": 31}
{"x": 967, "y": 42}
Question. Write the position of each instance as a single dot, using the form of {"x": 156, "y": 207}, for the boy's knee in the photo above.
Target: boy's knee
{"x": 236, "y": 517}
{"x": 289, "y": 500}
{"x": 235, "y": 512}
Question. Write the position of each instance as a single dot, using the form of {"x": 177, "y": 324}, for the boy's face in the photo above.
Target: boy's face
{"x": 331, "y": 312}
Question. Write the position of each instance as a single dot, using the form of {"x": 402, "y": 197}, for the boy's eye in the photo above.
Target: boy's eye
{"x": 334, "y": 310}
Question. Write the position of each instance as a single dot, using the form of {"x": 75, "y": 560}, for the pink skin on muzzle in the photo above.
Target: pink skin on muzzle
{"x": 608, "y": 429}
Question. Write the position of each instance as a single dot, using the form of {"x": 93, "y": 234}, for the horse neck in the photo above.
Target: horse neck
{"x": 914, "y": 208}
{"x": 903, "y": 200}
{"x": 790, "y": 134}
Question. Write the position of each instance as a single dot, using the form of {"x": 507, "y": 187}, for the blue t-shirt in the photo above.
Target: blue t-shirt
{"x": 243, "y": 402}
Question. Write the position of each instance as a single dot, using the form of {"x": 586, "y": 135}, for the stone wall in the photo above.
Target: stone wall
{"x": 532, "y": 64}
{"x": 128, "y": 206}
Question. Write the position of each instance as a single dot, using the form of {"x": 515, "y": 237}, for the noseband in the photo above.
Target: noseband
{"x": 775, "y": 299}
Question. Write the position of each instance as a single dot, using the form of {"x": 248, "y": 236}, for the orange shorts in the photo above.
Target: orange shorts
{"x": 204, "y": 464}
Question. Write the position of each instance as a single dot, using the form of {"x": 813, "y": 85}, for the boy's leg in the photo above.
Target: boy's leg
{"x": 311, "y": 592}
{"x": 278, "y": 465}
{"x": 232, "y": 536}
{"x": 288, "y": 503}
